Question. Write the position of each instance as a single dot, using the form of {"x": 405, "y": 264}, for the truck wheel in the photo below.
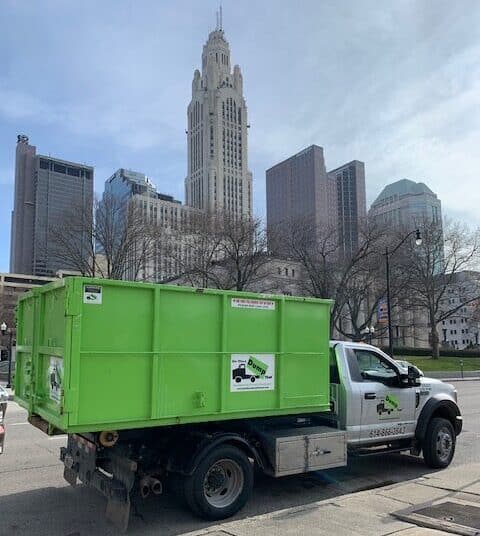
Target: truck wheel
{"x": 439, "y": 443}
{"x": 238, "y": 379}
{"x": 220, "y": 485}
{"x": 252, "y": 379}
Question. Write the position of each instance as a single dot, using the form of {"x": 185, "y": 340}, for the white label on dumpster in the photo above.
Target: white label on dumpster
{"x": 55, "y": 377}
{"x": 252, "y": 372}
{"x": 92, "y": 294}
{"x": 245, "y": 303}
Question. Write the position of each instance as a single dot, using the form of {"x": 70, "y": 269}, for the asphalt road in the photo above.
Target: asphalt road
{"x": 35, "y": 500}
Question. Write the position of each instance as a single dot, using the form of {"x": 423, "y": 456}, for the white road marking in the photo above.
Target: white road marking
{"x": 16, "y": 424}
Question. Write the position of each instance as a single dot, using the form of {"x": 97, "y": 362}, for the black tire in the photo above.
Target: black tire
{"x": 252, "y": 379}
{"x": 238, "y": 379}
{"x": 439, "y": 443}
{"x": 196, "y": 494}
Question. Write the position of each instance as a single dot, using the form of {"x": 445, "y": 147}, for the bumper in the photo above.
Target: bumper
{"x": 81, "y": 457}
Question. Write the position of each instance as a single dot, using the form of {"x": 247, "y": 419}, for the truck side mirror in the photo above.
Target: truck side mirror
{"x": 413, "y": 375}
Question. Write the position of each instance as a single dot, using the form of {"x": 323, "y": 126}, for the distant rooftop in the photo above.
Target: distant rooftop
{"x": 403, "y": 187}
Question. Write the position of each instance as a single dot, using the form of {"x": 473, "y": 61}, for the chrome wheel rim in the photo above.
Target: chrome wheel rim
{"x": 444, "y": 444}
{"x": 223, "y": 483}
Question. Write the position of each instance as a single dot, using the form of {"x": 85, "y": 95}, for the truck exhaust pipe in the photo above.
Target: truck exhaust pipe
{"x": 156, "y": 486}
{"x": 145, "y": 487}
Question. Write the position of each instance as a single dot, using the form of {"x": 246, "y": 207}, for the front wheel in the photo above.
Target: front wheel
{"x": 439, "y": 443}
{"x": 221, "y": 484}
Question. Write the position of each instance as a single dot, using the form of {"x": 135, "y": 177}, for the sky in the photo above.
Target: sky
{"x": 394, "y": 84}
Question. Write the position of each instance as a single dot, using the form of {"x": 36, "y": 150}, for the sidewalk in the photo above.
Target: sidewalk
{"x": 406, "y": 509}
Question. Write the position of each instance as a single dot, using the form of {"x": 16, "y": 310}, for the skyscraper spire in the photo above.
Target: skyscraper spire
{"x": 219, "y": 19}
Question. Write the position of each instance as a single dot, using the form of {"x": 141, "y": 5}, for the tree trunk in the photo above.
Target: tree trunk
{"x": 434, "y": 338}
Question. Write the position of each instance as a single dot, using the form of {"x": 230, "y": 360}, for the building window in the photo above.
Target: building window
{"x": 59, "y": 168}
{"x": 44, "y": 164}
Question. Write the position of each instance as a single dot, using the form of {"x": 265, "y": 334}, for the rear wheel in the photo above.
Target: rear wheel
{"x": 439, "y": 443}
{"x": 221, "y": 484}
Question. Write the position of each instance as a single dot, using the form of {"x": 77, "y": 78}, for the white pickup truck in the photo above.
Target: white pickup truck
{"x": 377, "y": 406}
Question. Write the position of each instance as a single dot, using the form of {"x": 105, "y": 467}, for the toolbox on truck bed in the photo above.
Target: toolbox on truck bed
{"x": 97, "y": 354}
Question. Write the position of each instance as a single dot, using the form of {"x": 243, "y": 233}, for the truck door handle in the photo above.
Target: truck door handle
{"x": 370, "y": 396}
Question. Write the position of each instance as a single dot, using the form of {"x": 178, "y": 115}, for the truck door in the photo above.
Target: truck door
{"x": 388, "y": 409}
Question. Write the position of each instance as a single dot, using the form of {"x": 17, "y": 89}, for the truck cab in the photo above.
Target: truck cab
{"x": 379, "y": 403}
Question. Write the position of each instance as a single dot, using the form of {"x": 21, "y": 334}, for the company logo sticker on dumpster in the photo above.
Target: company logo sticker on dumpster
{"x": 92, "y": 294}
{"x": 55, "y": 378}
{"x": 252, "y": 372}
{"x": 243, "y": 303}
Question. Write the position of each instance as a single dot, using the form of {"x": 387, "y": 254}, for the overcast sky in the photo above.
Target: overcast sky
{"x": 395, "y": 84}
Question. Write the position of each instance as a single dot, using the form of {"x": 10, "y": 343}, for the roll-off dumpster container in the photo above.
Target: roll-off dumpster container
{"x": 96, "y": 354}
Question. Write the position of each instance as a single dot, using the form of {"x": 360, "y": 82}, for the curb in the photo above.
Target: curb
{"x": 471, "y": 379}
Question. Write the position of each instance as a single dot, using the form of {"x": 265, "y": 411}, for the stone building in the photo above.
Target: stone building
{"x": 218, "y": 177}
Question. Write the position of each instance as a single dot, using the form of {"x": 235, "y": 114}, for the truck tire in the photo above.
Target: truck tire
{"x": 439, "y": 443}
{"x": 220, "y": 485}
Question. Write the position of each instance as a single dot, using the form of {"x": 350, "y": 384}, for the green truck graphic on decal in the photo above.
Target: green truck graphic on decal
{"x": 388, "y": 405}
{"x": 252, "y": 372}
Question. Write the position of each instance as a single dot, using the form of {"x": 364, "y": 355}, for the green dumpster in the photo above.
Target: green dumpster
{"x": 97, "y": 354}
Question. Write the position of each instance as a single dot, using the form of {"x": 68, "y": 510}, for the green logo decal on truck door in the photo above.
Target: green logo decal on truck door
{"x": 252, "y": 372}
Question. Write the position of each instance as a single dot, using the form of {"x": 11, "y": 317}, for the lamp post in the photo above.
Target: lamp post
{"x": 4, "y": 330}
{"x": 418, "y": 242}
{"x": 369, "y": 331}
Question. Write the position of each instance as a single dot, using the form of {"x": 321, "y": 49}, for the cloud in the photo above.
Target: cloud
{"x": 109, "y": 82}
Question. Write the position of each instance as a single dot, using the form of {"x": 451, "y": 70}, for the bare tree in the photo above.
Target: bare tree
{"x": 354, "y": 282}
{"x": 436, "y": 267}
{"x": 195, "y": 246}
{"x": 243, "y": 256}
{"x": 223, "y": 251}
{"x": 117, "y": 240}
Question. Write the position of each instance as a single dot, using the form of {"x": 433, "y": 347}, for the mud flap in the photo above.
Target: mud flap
{"x": 118, "y": 513}
{"x": 70, "y": 476}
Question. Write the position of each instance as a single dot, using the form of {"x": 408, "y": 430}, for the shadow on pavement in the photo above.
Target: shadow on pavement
{"x": 80, "y": 511}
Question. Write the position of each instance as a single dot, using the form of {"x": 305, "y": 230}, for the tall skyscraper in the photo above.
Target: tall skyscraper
{"x": 406, "y": 203}
{"x": 351, "y": 206}
{"x": 46, "y": 189}
{"x": 218, "y": 178}
{"x": 300, "y": 189}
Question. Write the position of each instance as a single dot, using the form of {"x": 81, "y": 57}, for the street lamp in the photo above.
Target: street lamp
{"x": 369, "y": 331}
{"x": 4, "y": 330}
{"x": 418, "y": 242}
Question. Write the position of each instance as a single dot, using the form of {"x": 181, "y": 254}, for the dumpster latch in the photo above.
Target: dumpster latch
{"x": 200, "y": 399}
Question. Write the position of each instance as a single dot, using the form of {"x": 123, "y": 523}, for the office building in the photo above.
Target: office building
{"x": 218, "y": 178}
{"x": 300, "y": 189}
{"x": 161, "y": 210}
{"x": 406, "y": 203}
{"x": 351, "y": 206}
{"x": 46, "y": 189}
